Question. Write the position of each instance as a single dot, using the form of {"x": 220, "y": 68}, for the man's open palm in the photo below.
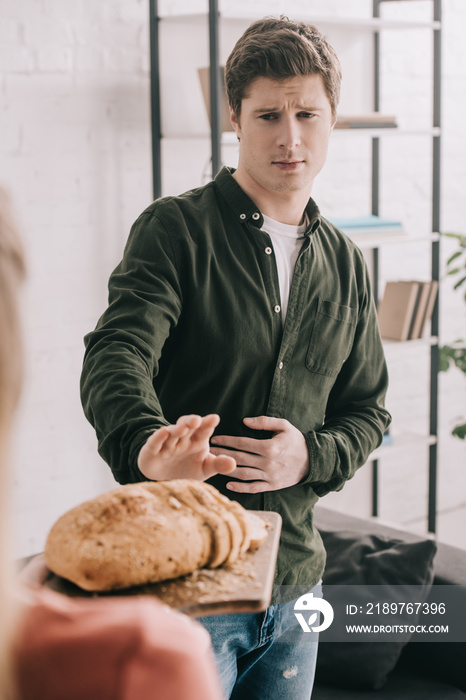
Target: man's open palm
{"x": 182, "y": 451}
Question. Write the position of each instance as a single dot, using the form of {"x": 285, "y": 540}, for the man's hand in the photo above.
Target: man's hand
{"x": 182, "y": 451}
{"x": 265, "y": 465}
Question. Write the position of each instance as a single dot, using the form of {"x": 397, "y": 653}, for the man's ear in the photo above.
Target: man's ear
{"x": 235, "y": 123}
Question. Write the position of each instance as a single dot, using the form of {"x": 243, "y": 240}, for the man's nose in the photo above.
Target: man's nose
{"x": 289, "y": 135}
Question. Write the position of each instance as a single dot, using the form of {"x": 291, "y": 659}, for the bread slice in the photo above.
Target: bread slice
{"x": 206, "y": 496}
{"x": 254, "y": 528}
{"x": 221, "y": 537}
{"x": 257, "y": 531}
{"x": 149, "y": 532}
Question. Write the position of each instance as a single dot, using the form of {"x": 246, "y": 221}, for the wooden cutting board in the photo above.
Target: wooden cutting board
{"x": 246, "y": 586}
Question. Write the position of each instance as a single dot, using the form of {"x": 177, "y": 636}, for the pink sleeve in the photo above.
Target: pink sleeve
{"x": 125, "y": 648}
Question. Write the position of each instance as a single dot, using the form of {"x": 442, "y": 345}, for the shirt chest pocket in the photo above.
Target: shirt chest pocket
{"x": 331, "y": 337}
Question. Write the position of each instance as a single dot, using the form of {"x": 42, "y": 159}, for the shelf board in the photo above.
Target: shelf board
{"x": 402, "y": 442}
{"x": 368, "y": 23}
{"x": 377, "y": 240}
{"x": 229, "y": 137}
{"x": 427, "y": 340}
{"x": 397, "y": 131}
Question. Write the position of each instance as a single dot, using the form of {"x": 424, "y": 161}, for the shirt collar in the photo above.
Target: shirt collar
{"x": 247, "y": 211}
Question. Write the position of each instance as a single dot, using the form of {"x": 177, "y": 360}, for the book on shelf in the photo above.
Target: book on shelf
{"x": 429, "y": 308}
{"x": 204, "y": 78}
{"x": 396, "y": 309}
{"x": 367, "y": 225}
{"x": 371, "y": 120}
{"x": 405, "y": 309}
{"x": 387, "y": 438}
{"x": 419, "y": 310}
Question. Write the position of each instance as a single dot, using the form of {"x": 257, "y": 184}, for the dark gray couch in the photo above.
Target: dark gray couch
{"x": 424, "y": 670}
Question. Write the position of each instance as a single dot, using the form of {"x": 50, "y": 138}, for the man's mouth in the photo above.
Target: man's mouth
{"x": 288, "y": 164}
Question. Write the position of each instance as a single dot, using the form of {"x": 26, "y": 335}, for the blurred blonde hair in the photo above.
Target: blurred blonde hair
{"x": 11, "y": 274}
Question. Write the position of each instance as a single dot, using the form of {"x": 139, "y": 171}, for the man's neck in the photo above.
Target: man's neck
{"x": 285, "y": 207}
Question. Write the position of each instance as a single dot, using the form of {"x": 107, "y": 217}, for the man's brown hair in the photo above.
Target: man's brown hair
{"x": 279, "y": 48}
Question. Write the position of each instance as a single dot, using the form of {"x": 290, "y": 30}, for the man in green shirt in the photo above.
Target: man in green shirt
{"x": 241, "y": 344}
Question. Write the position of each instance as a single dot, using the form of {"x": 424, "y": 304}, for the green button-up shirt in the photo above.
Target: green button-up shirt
{"x": 194, "y": 326}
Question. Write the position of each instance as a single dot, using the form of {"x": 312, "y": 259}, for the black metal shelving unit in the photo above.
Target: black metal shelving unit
{"x": 216, "y": 136}
{"x": 215, "y": 92}
{"x": 435, "y": 251}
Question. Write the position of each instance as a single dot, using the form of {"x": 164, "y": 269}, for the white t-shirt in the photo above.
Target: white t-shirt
{"x": 287, "y": 241}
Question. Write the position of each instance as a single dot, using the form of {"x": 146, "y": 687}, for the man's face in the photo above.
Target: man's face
{"x": 284, "y": 128}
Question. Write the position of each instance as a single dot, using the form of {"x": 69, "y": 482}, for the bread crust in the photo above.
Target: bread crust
{"x": 148, "y": 532}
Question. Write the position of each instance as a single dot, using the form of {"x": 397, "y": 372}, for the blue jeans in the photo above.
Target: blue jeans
{"x": 264, "y": 656}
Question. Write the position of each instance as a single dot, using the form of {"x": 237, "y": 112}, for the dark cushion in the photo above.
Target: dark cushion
{"x": 439, "y": 661}
{"x": 362, "y": 561}
{"x": 400, "y": 686}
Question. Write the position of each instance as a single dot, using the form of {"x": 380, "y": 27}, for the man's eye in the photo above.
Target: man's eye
{"x": 268, "y": 117}
{"x": 306, "y": 115}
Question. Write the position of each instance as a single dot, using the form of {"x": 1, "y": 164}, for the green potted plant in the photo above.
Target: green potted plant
{"x": 454, "y": 355}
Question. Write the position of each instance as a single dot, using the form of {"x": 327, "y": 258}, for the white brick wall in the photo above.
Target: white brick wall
{"x": 75, "y": 155}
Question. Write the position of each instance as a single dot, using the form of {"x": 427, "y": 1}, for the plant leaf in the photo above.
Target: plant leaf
{"x": 453, "y": 257}
{"x": 460, "y": 431}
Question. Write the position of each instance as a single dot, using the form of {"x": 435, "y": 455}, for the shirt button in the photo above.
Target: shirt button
{"x": 242, "y": 216}
{"x": 268, "y": 250}
{"x": 256, "y": 216}
{"x": 280, "y": 366}
{"x": 277, "y": 309}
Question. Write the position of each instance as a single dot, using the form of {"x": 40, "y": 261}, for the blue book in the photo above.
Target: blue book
{"x": 366, "y": 223}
